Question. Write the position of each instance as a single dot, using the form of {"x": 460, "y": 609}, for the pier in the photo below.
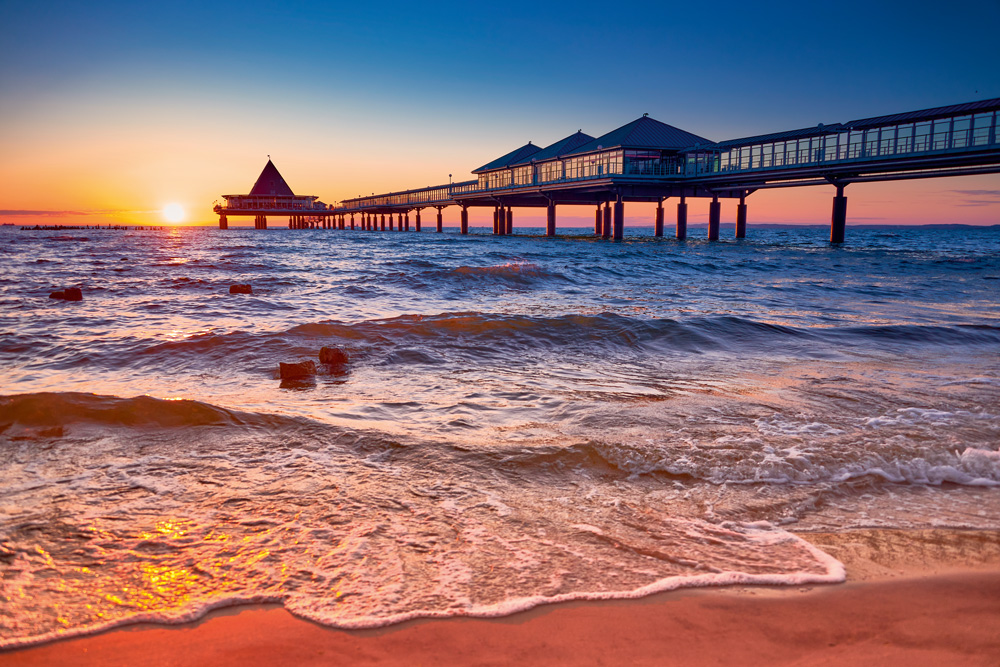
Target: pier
{"x": 647, "y": 160}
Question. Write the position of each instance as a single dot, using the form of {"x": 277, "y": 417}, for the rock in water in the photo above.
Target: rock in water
{"x": 331, "y": 355}
{"x": 240, "y": 289}
{"x": 68, "y": 294}
{"x": 303, "y": 369}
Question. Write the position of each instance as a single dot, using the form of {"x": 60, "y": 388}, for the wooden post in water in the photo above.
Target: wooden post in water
{"x": 714, "y": 216}
{"x": 658, "y": 222}
{"x": 741, "y": 218}
{"x": 440, "y": 219}
{"x": 598, "y": 221}
{"x": 682, "y": 220}
{"x": 509, "y": 221}
{"x": 550, "y": 219}
{"x": 606, "y": 225}
{"x": 465, "y": 221}
{"x": 838, "y": 222}
{"x": 418, "y": 218}
{"x": 619, "y": 219}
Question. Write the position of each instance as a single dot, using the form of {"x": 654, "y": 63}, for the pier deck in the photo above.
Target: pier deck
{"x": 650, "y": 161}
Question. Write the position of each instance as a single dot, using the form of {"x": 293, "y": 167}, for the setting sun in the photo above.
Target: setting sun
{"x": 173, "y": 213}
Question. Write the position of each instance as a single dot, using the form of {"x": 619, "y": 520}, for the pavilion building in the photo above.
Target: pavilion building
{"x": 271, "y": 195}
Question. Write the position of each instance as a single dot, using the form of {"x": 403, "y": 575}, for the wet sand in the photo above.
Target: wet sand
{"x": 924, "y": 597}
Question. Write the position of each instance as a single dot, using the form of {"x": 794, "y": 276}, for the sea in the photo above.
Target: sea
{"x": 520, "y": 419}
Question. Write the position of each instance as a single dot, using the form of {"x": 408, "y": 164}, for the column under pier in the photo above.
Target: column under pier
{"x": 714, "y": 216}
{"x": 619, "y": 220}
{"x": 741, "y": 218}
{"x": 838, "y": 221}
{"x": 658, "y": 222}
{"x": 606, "y": 223}
{"x": 550, "y": 219}
{"x": 682, "y": 220}
{"x": 465, "y": 221}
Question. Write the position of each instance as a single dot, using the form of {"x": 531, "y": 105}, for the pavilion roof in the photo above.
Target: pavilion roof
{"x": 644, "y": 132}
{"x": 561, "y": 147}
{"x": 510, "y": 158}
{"x": 270, "y": 182}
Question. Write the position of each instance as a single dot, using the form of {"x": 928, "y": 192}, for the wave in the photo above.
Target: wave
{"x": 488, "y": 335}
{"x": 518, "y": 275}
{"x": 756, "y": 464}
{"x": 52, "y": 410}
{"x": 608, "y": 330}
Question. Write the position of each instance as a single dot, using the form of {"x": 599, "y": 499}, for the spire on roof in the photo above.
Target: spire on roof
{"x": 270, "y": 182}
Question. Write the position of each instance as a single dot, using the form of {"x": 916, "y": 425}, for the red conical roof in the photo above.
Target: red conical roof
{"x": 270, "y": 182}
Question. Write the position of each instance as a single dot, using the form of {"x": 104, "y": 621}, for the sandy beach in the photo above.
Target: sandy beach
{"x": 927, "y": 597}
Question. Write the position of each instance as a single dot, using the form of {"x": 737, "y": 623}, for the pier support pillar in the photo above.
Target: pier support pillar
{"x": 598, "y": 221}
{"x": 838, "y": 222}
{"x": 416, "y": 223}
{"x": 606, "y": 222}
{"x": 741, "y": 218}
{"x": 619, "y": 219}
{"x": 392, "y": 223}
{"x": 223, "y": 222}
{"x": 509, "y": 221}
{"x": 383, "y": 221}
{"x": 440, "y": 221}
{"x": 714, "y": 216}
{"x": 550, "y": 219}
{"x": 418, "y": 218}
{"x": 496, "y": 220}
{"x": 658, "y": 222}
{"x": 682, "y": 220}
{"x": 263, "y": 222}
{"x": 465, "y": 221}
{"x": 352, "y": 221}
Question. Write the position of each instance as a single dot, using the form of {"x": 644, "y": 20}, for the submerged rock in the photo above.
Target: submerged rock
{"x": 303, "y": 369}
{"x": 240, "y": 289}
{"x": 68, "y": 294}
{"x": 332, "y": 355}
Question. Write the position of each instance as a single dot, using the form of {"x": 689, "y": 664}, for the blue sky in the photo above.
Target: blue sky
{"x": 389, "y": 95}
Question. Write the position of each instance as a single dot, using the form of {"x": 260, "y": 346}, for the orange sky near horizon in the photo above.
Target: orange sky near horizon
{"x": 92, "y": 156}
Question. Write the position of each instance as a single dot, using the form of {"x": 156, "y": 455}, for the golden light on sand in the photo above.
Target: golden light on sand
{"x": 173, "y": 213}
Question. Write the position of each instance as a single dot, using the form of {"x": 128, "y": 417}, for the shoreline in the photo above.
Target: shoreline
{"x": 925, "y": 596}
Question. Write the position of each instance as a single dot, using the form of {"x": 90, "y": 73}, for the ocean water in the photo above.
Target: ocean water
{"x": 521, "y": 419}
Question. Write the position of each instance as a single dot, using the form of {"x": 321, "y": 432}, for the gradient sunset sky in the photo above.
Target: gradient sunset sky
{"x": 110, "y": 111}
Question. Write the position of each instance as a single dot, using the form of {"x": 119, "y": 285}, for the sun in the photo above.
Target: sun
{"x": 173, "y": 213}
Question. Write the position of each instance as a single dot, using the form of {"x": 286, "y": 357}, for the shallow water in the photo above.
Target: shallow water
{"x": 521, "y": 420}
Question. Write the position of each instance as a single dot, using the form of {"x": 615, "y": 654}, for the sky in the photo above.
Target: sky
{"x": 111, "y": 111}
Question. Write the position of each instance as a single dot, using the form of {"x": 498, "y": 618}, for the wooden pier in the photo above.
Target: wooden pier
{"x": 649, "y": 161}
